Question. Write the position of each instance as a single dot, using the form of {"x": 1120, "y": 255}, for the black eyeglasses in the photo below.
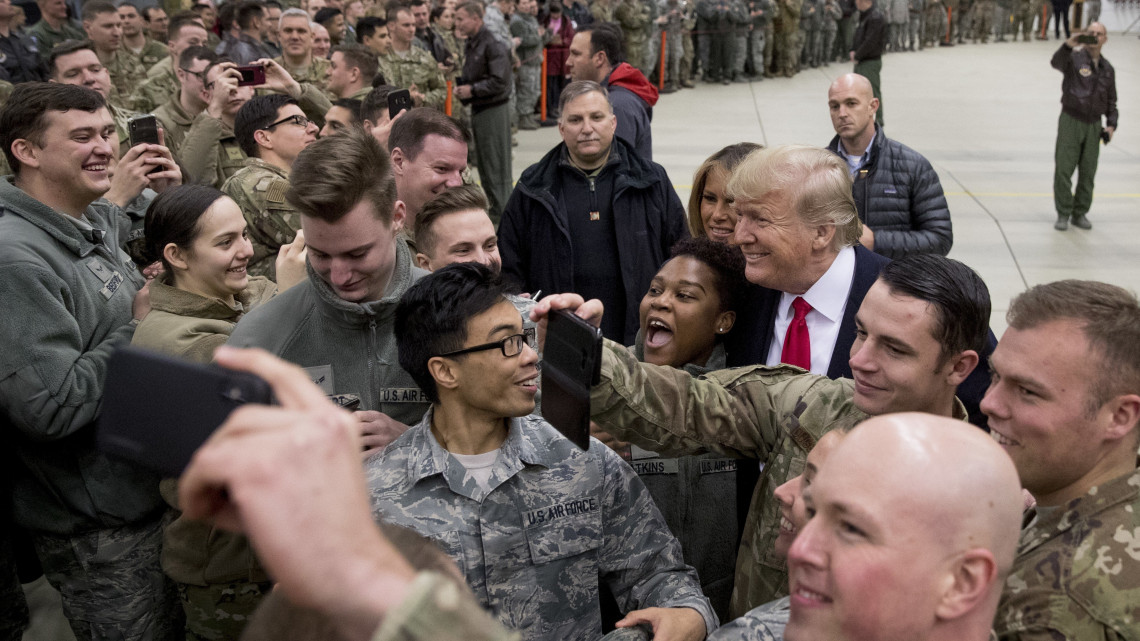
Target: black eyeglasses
{"x": 510, "y": 346}
{"x": 200, "y": 75}
{"x": 298, "y": 120}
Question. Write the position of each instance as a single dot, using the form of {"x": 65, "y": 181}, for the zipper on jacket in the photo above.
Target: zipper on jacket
{"x": 371, "y": 356}
{"x": 594, "y": 213}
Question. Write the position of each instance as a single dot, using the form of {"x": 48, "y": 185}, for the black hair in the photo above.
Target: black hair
{"x": 727, "y": 264}
{"x": 326, "y": 14}
{"x": 246, "y": 13}
{"x": 66, "y": 48}
{"x": 375, "y": 104}
{"x": 352, "y": 105}
{"x": 959, "y": 296}
{"x": 431, "y": 318}
{"x": 436, "y": 12}
{"x": 366, "y": 27}
{"x": 173, "y": 217}
{"x": 197, "y": 52}
{"x": 226, "y": 15}
{"x": 257, "y": 114}
{"x": 410, "y": 131}
{"x": 605, "y": 37}
{"x": 25, "y": 114}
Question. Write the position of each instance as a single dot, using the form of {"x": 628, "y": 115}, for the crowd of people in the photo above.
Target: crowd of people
{"x": 803, "y": 428}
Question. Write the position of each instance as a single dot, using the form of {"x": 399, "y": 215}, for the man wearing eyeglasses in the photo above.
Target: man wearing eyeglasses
{"x": 533, "y": 522}
{"x": 272, "y": 130}
{"x": 210, "y": 152}
{"x": 177, "y": 114}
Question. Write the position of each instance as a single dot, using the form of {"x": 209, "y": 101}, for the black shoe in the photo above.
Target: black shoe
{"x": 549, "y": 122}
{"x": 1062, "y": 223}
{"x": 1081, "y": 222}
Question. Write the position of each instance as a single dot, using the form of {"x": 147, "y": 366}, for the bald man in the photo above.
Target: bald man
{"x": 913, "y": 528}
{"x": 897, "y": 192}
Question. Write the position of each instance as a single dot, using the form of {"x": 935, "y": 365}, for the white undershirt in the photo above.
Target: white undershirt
{"x": 479, "y": 466}
{"x": 828, "y": 300}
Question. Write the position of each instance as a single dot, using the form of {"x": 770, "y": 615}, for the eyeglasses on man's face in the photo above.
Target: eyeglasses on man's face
{"x": 295, "y": 119}
{"x": 510, "y": 346}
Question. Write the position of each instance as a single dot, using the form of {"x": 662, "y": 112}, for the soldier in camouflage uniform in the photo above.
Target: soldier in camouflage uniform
{"x": 259, "y": 188}
{"x": 53, "y": 27}
{"x": 688, "y": 23}
{"x": 634, "y": 17}
{"x": 670, "y": 21}
{"x": 760, "y": 14}
{"x": 104, "y": 28}
{"x": 787, "y": 28}
{"x": 773, "y": 414}
{"x": 135, "y": 40}
{"x": 410, "y": 67}
{"x": 536, "y": 527}
{"x": 934, "y": 23}
{"x": 528, "y": 75}
{"x": 297, "y": 57}
{"x": 917, "y": 10}
{"x": 1077, "y": 572}
{"x": 809, "y": 30}
{"x": 983, "y": 20}
{"x": 161, "y": 83}
{"x": 832, "y": 14}
{"x": 1022, "y": 19}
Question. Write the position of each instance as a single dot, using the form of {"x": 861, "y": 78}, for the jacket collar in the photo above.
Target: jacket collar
{"x": 873, "y": 150}
{"x": 54, "y": 223}
{"x": 1098, "y": 499}
{"x": 257, "y": 162}
{"x": 428, "y": 458}
{"x": 357, "y": 314}
{"x": 165, "y": 297}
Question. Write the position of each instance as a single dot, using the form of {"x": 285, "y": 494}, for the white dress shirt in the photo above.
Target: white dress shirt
{"x": 828, "y": 300}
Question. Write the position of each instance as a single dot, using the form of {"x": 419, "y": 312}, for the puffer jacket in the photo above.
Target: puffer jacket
{"x": 899, "y": 196}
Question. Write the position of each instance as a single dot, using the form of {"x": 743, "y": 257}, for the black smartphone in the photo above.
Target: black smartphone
{"x": 251, "y": 75}
{"x": 1087, "y": 39}
{"x": 158, "y": 410}
{"x": 398, "y": 101}
{"x": 571, "y": 365}
{"x": 143, "y": 130}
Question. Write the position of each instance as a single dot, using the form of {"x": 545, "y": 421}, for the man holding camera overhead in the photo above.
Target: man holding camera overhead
{"x": 1087, "y": 93}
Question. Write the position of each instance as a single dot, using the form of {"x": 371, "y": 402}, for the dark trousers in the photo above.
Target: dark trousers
{"x": 492, "y": 131}
{"x": 870, "y": 69}
{"x": 1078, "y": 149}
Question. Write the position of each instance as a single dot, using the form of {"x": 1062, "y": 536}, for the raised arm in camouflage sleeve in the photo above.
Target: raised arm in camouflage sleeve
{"x": 741, "y": 412}
{"x": 436, "y": 609}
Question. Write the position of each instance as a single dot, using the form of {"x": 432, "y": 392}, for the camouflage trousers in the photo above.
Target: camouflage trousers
{"x": 687, "y": 58}
{"x": 528, "y": 88}
{"x": 220, "y": 612}
{"x": 111, "y": 583}
{"x": 757, "y": 48}
{"x": 741, "y": 54}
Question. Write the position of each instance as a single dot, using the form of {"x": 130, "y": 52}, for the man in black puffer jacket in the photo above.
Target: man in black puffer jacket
{"x": 897, "y": 192}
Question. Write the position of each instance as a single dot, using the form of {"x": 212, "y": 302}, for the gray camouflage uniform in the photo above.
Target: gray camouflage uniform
{"x": 259, "y": 190}
{"x": 760, "y": 48}
{"x": 528, "y": 81}
{"x": 762, "y": 623}
{"x": 554, "y": 522}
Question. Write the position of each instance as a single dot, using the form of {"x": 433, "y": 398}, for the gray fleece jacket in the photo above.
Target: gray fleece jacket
{"x": 68, "y": 290}
{"x": 347, "y": 348}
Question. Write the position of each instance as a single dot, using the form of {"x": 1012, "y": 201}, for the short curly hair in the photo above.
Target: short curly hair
{"x": 726, "y": 261}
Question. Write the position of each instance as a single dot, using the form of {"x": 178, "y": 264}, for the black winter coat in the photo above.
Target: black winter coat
{"x": 534, "y": 235}
{"x": 899, "y": 196}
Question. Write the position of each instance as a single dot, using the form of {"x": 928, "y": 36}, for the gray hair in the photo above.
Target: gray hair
{"x": 580, "y": 88}
{"x": 291, "y": 13}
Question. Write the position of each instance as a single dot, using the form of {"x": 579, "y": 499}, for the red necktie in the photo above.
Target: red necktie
{"x": 797, "y": 343}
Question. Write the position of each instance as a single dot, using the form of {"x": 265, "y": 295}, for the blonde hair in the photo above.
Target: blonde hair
{"x": 722, "y": 162}
{"x": 816, "y": 180}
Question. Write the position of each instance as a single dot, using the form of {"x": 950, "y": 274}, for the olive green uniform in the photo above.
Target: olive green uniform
{"x": 175, "y": 122}
{"x": 315, "y": 74}
{"x": 126, "y": 73}
{"x": 151, "y": 53}
{"x": 161, "y": 85}
{"x": 46, "y": 37}
{"x": 634, "y": 16}
{"x": 259, "y": 189}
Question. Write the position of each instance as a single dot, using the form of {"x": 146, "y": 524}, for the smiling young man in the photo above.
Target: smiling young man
{"x": 337, "y": 323}
{"x": 533, "y": 522}
{"x": 1065, "y": 403}
{"x": 72, "y": 297}
{"x": 592, "y": 216}
{"x": 104, "y": 27}
{"x": 918, "y": 333}
{"x": 455, "y": 228}
{"x": 272, "y": 131}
